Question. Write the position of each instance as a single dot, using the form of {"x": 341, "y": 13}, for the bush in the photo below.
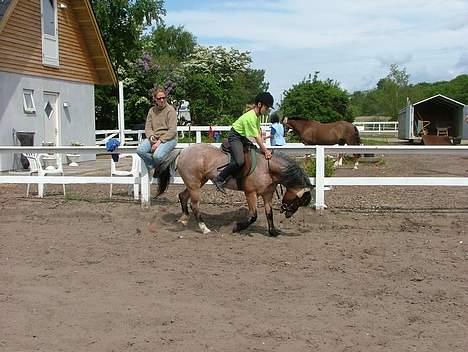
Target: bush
{"x": 309, "y": 166}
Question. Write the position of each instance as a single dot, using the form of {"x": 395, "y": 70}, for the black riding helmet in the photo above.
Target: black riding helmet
{"x": 264, "y": 98}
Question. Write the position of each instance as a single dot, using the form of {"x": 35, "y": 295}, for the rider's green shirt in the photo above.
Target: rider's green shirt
{"x": 247, "y": 125}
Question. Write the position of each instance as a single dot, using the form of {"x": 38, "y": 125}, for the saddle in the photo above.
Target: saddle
{"x": 250, "y": 157}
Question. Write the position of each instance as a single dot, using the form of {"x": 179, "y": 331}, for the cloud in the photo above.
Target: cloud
{"x": 399, "y": 58}
{"x": 352, "y": 42}
{"x": 462, "y": 64}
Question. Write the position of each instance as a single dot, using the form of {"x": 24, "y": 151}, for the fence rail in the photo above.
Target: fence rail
{"x": 320, "y": 181}
{"x": 134, "y": 137}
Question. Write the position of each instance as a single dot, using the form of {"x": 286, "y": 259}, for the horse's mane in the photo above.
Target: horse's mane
{"x": 292, "y": 174}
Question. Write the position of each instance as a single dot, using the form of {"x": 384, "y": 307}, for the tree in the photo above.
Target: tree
{"x": 393, "y": 91}
{"x": 169, "y": 44}
{"x": 323, "y": 101}
{"x": 240, "y": 92}
{"x": 122, "y": 23}
{"x": 205, "y": 97}
{"x": 218, "y": 61}
{"x": 230, "y": 83}
{"x": 390, "y": 94}
{"x": 140, "y": 78}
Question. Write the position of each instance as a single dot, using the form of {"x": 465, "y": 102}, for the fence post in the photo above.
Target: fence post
{"x": 120, "y": 114}
{"x": 320, "y": 177}
{"x": 198, "y": 137}
{"x": 145, "y": 185}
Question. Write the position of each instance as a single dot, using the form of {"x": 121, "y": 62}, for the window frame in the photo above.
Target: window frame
{"x": 29, "y": 109}
{"x": 50, "y": 44}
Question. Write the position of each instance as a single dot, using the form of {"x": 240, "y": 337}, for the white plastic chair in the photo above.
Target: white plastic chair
{"x": 133, "y": 172}
{"x": 35, "y": 167}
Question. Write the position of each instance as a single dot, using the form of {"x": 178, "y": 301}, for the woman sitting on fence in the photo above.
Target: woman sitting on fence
{"x": 160, "y": 130}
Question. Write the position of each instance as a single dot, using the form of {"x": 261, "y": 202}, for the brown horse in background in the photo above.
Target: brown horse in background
{"x": 316, "y": 133}
{"x": 201, "y": 162}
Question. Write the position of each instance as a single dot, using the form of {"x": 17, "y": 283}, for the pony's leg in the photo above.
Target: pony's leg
{"x": 340, "y": 159}
{"x": 252, "y": 203}
{"x": 194, "y": 204}
{"x": 183, "y": 198}
{"x": 267, "y": 201}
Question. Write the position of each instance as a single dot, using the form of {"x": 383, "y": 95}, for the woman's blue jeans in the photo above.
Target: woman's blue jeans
{"x": 153, "y": 160}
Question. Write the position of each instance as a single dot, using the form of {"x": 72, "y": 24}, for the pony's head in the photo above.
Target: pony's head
{"x": 293, "y": 199}
{"x": 287, "y": 127}
{"x": 297, "y": 184}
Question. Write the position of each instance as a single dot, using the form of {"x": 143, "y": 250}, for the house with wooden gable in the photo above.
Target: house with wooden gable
{"x": 51, "y": 56}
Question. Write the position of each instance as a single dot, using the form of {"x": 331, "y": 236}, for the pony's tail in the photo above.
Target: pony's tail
{"x": 357, "y": 137}
{"x": 166, "y": 170}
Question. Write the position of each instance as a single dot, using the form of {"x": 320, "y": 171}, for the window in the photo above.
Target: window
{"x": 50, "y": 53}
{"x": 28, "y": 101}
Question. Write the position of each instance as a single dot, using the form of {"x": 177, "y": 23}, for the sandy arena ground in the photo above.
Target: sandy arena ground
{"x": 382, "y": 269}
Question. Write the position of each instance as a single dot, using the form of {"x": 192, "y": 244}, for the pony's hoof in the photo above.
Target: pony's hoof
{"x": 183, "y": 222}
{"x": 204, "y": 229}
{"x": 274, "y": 233}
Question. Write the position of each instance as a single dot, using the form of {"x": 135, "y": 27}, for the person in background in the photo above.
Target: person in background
{"x": 160, "y": 130}
{"x": 276, "y": 131}
{"x": 245, "y": 127}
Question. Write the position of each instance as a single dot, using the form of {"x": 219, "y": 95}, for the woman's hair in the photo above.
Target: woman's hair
{"x": 248, "y": 107}
{"x": 274, "y": 118}
{"x": 157, "y": 90}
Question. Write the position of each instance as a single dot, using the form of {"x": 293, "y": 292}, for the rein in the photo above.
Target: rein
{"x": 276, "y": 188}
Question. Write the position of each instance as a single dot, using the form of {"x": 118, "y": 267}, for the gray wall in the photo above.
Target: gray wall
{"x": 76, "y": 123}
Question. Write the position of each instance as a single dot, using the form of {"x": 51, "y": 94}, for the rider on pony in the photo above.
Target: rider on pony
{"x": 245, "y": 127}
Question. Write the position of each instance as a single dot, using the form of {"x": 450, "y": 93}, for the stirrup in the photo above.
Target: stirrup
{"x": 219, "y": 185}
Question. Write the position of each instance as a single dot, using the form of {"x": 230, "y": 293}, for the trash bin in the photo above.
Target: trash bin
{"x": 26, "y": 139}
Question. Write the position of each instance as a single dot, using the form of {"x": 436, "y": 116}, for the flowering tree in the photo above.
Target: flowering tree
{"x": 219, "y": 83}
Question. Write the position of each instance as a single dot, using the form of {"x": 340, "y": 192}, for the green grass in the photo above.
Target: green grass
{"x": 376, "y": 140}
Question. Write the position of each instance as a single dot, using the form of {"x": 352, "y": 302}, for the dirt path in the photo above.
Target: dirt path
{"x": 383, "y": 269}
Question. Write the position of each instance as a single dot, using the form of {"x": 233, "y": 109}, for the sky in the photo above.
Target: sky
{"x": 353, "y": 42}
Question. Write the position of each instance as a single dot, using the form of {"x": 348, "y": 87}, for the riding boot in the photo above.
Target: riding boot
{"x": 220, "y": 180}
{"x": 219, "y": 183}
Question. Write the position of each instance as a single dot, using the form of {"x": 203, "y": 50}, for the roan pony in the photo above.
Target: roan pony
{"x": 316, "y": 133}
{"x": 200, "y": 162}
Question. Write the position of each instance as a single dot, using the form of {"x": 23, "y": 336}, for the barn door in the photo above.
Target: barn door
{"x": 50, "y": 52}
{"x": 51, "y": 125}
{"x": 406, "y": 122}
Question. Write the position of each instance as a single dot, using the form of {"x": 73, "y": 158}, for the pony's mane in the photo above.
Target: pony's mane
{"x": 292, "y": 174}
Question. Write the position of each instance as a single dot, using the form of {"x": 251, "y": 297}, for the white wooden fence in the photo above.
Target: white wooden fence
{"x": 320, "y": 181}
{"x": 133, "y": 137}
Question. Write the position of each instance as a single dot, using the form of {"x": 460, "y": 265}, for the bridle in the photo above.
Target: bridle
{"x": 297, "y": 202}
{"x": 290, "y": 207}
